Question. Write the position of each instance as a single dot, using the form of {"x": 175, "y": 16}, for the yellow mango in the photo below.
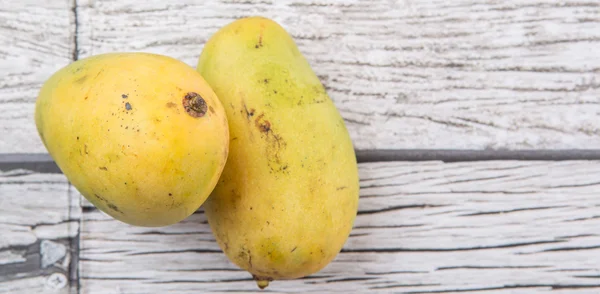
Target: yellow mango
{"x": 142, "y": 136}
{"x": 288, "y": 196}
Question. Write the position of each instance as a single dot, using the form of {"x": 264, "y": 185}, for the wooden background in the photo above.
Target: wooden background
{"x": 407, "y": 75}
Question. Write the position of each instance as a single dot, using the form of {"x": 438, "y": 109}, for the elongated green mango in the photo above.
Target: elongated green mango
{"x": 288, "y": 195}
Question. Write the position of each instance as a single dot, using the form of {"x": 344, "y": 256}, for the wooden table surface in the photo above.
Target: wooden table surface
{"x": 409, "y": 77}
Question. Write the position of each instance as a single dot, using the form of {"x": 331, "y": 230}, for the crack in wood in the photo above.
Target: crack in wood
{"x": 404, "y": 286}
{"x": 395, "y": 273}
{"x": 175, "y": 281}
{"x": 206, "y": 270}
{"x": 75, "y": 54}
{"x": 511, "y": 287}
{"x": 201, "y": 251}
{"x": 512, "y": 210}
{"x": 476, "y": 248}
{"x": 491, "y": 267}
{"x": 574, "y": 248}
{"x": 573, "y": 185}
{"x": 399, "y": 207}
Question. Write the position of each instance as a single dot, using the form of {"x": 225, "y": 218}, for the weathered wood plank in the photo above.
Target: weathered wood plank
{"x": 39, "y": 228}
{"x": 478, "y": 74}
{"x": 427, "y": 227}
{"x": 36, "y": 39}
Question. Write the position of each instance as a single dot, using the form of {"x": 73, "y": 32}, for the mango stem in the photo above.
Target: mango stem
{"x": 262, "y": 282}
{"x": 194, "y": 104}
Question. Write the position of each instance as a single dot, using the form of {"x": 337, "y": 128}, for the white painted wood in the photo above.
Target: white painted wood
{"x": 36, "y": 39}
{"x": 423, "y": 227}
{"x": 405, "y": 73}
{"x": 39, "y": 219}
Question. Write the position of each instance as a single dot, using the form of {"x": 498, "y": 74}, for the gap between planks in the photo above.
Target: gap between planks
{"x": 43, "y": 163}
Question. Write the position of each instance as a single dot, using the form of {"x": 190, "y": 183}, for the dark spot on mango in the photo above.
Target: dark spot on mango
{"x": 103, "y": 168}
{"x": 275, "y": 91}
{"x": 294, "y": 249}
{"x": 127, "y": 106}
{"x": 171, "y": 105}
{"x": 77, "y": 138}
{"x": 124, "y": 96}
{"x": 260, "y": 39}
{"x": 266, "y": 81}
{"x": 81, "y": 79}
{"x": 265, "y": 126}
{"x": 170, "y": 194}
{"x": 249, "y": 258}
{"x": 341, "y": 188}
{"x": 243, "y": 254}
{"x": 275, "y": 143}
{"x": 85, "y": 149}
{"x": 99, "y": 197}
{"x": 86, "y": 98}
{"x": 113, "y": 207}
{"x": 211, "y": 109}
{"x": 249, "y": 113}
{"x": 194, "y": 104}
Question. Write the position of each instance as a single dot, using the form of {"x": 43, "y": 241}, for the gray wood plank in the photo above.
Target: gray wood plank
{"x": 422, "y": 227}
{"x": 464, "y": 74}
{"x": 39, "y": 233}
{"x": 36, "y": 39}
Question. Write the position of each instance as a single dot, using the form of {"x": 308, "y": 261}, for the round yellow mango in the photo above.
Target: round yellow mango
{"x": 142, "y": 136}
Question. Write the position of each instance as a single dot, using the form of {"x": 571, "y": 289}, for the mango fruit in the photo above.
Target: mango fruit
{"x": 142, "y": 136}
{"x": 288, "y": 196}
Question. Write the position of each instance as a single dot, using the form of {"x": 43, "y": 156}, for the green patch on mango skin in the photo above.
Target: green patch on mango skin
{"x": 271, "y": 250}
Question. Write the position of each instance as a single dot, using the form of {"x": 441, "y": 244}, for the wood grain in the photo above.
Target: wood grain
{"x": 36, "y": 39}
{"x": 428, "y": 227}
{"x": 466, "y": 74}
{"x": 39, "y": 227}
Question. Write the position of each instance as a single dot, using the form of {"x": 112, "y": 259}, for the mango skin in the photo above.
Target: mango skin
{"x": 288, "y": 196}
{"x": 116, "y": 126}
